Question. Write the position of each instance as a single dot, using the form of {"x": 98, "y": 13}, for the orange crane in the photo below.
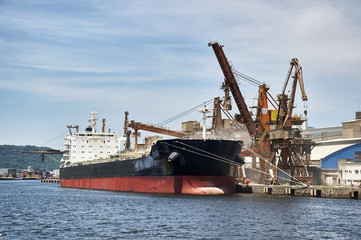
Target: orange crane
{"x": 267, "y": 143}
{"x": 151, "y": 128}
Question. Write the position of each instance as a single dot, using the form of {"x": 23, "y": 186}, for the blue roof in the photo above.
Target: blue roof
{"x": 331, "y": 161}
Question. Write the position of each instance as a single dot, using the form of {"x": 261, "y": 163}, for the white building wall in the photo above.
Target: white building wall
{"x": 349, "y": 172}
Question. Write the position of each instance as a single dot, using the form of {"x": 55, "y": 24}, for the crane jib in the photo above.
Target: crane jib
{"x": 231, "y": 83}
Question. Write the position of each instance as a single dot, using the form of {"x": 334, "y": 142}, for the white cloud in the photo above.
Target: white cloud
{"x": 154, "y": 53}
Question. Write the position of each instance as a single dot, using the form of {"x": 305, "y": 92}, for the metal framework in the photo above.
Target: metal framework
{"x": 283, "y": 146}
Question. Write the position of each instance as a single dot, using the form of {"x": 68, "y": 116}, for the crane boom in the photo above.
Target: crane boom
{"x": 151, "y": 128}
{"x": 298, "y": 77}
{"x": 43, "y": 152}
{"x": 231, "y": 83}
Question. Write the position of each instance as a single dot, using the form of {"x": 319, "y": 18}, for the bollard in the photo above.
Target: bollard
{"x": 267, "y": 190}
{"x": 292, "y": 192}
{"x": 312, "y": 192}
{"x": 354, "y": 195}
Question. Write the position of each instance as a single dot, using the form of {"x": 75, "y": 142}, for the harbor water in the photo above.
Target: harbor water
{"x": 30, "y": 209}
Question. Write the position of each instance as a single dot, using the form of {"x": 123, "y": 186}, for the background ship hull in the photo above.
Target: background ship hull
{"x": 173, "y": 166}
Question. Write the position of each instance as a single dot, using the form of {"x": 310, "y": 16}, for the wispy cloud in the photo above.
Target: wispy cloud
{"x": 153, "y": 55}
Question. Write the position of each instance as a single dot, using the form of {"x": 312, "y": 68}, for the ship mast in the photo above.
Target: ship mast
{"x": 204, "y": 111}
{"x": 93, "y": 119}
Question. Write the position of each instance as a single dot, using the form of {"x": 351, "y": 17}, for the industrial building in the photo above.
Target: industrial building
{"x": 337, "y": 153}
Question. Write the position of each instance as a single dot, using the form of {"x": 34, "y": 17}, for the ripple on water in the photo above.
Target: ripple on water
{"x": 34, "y": 210}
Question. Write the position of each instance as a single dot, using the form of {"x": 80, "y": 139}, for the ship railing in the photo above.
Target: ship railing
{"x": 112, "y": 158}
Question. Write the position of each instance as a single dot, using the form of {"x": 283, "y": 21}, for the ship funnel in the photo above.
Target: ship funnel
{"x": 358, "y": 115}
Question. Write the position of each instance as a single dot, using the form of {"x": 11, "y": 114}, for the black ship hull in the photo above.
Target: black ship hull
{"x": 173, "y": 166}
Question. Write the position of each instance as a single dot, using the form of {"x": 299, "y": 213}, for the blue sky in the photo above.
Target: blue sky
{"x": 60, "y": 59}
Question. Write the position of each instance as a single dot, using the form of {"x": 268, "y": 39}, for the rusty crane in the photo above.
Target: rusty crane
{"x": 147, "y": 127}
{"x": 293, "y": 151}
{"x": 269, "y": 146}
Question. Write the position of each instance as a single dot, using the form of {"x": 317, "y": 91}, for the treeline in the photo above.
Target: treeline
{"x": 11, "y": 156}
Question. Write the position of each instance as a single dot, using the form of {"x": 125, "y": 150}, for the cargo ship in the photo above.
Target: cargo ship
{"x": 94, "y": 160}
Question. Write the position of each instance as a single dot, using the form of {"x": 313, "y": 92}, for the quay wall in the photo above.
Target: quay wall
{"x": 309, "y": 191}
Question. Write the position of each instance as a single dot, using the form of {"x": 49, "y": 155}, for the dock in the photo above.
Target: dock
{"x": 349, "y": 192}
{"x": 50, "y": 180}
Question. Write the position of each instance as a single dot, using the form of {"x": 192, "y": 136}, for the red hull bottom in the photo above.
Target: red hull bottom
{"x": 198, "y": 185}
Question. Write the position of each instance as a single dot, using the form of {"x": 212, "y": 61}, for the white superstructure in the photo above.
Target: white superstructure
{"x": 90, "y": 145}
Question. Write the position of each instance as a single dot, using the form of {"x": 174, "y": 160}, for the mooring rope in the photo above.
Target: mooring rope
{"x": 266, "y": 160}
{"x": 228, "y": 161}
{"x": 53, "y": 158}
{"x": 201, "y": 150}
{"x": 257, "y": 170}
{"x": 218, "y": 158}
{"x": 271, "y": 164}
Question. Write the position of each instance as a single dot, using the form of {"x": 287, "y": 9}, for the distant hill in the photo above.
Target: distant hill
{"x": 11, "y": 156}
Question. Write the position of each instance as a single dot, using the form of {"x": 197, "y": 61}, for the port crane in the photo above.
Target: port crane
{"x": 260, "y": 132}
{"x": 43, "y": 152}
{"x": 216, "y": 125}
{"x": 147, "y": 127}
{"x": 292, "y": 149}
{"x": 270, "y": 145}
{"x": 230, "y": 84}
{"x": 136, "y": 126}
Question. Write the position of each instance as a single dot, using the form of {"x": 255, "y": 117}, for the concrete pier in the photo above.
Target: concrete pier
{"x": 50, "y": 180}
{"x": 309, "y": 191}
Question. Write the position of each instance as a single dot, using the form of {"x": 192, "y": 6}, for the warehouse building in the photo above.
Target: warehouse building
{"x": 338, "y": 156}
